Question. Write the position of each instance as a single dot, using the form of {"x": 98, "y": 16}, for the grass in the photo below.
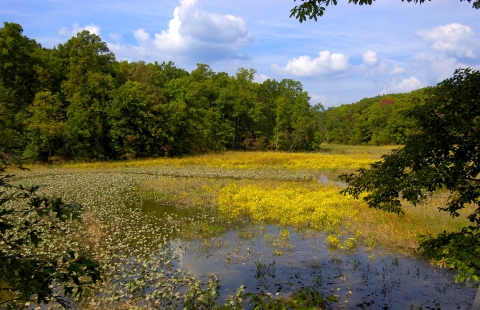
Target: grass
{"x": 330, "y": 157}
{"x": 270, "y": 184}
{"x": 280, "y": 188}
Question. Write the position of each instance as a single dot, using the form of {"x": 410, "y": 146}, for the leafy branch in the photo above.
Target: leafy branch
{"x": 312, "y": 9}
{"x": 27, "y": 271}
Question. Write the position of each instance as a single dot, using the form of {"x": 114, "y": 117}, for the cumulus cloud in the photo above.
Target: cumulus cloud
{"x": 208, "y": 27}
{"x": 324, "y": 100}
{"x": 399, "y": 85}
{"x": 449, "y": 47}
{"x": 260, "y": 78}
{"x": 455, "y": 40}
{"x": 370, "y": 58}
{"x": 438, "y": 67}
{"x": 76, "y": 29}
{"x": 371, "y": 66}
{"x": 397, "y": 70}
{"x": 325, "y": 64}
{"x": 194, "y": 34}
{"x": 116, "y": 38}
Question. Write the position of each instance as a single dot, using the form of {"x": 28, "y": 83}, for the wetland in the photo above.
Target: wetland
{"x": 203, "y": 231}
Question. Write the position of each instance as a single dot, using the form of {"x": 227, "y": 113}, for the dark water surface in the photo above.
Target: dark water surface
{"x": 267, "y": 259}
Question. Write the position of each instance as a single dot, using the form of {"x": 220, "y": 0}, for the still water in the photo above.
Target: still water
{"x": 278, "y": 260}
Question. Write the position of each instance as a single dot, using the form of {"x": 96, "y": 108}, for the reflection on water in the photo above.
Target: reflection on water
{"x": 274, "y": 260}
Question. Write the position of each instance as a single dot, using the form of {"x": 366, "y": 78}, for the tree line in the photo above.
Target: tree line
{"x": 379, "y": 120}
{"x": 76, "y": 101}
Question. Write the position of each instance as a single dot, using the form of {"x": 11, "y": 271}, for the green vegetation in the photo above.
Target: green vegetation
{"x": 37, "y": 259}
{"x": 374, "y": 121}
{"x": 305, "y": 298}
{"x": 76, "y": 102}
{"x": 312, "y": 9}
{"x": 131, "y": 242}
{"x": 443, "y": 155}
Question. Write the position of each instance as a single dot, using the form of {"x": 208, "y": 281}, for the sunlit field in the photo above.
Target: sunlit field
{"x": 331, "y": 157}
{"x": 137, "y": 213}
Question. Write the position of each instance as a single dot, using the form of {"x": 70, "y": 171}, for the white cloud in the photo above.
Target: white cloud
{"x": 402, "y": 85}
{"x": 324, "y": 100}
{"x": 210, "y": 27}
{"x": 76, "y": 29}
{"x": 141, "y": 36}
{"x": 192, "y": 34}
{"x": 260, "y": 78}
{"x": 454, "y": 40}
{"x": 370, "y": 58}
{"x": 397, "y": 70}
{"x": 438, "y": 67}
{"x": 449, "y": 47}
{"x": 325, "y": 64}
{"x": 115, "y": 38}
{"x": 371, "y": 66}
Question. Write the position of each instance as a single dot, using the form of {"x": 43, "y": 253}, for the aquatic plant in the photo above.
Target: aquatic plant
{"x": 135, "y": 247}
{"x": 305, "y": 298}
{"x": 321, "y": 208}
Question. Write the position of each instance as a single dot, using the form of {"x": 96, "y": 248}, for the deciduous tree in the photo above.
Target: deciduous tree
{"x": 89, "y": 80}
{"x": 444, "y": 154}
{"x": 312, "y": 9}
{"x": 46, "y": 126}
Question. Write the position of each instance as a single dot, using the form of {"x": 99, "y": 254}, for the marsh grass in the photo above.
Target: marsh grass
{"x": 372, "y": 227}
{"x": 331, "y": 156}
{"x": 374, "y": 152}
{"x": 271, "y": 184}
{"x": 198, "y": 187}
{"x": 403, "y": 232}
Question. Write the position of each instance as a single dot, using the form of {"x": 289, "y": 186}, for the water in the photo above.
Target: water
{"x": 278, "y": 260}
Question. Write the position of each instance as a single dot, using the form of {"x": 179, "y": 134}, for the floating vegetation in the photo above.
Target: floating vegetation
{"x": 133, "y": 248}
{"x": 357, "y": 279}
{"x": 189, "y": 231}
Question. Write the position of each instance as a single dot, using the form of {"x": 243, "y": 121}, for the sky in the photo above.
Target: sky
{"x": 350, "y": 53}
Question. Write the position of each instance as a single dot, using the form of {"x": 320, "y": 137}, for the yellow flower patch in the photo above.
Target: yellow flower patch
{"x": 322, "y": 208}
{"x": 248, "y": 160}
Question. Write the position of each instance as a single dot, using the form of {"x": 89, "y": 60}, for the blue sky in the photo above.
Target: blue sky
{"x": 350, "y": 53}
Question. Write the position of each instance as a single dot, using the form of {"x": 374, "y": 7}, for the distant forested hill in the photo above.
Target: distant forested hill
{"x": 375, "y": 121}
{"x": 76, "y": 101}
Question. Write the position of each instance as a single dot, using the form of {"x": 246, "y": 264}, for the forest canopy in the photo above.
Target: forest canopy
{"x": 76, "y": 101}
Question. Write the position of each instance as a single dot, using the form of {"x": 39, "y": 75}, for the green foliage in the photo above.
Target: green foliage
{"x": 17, "y": 64}
{"x": 443, "y": 154}
{"x": 305, "y": 298}
{"x": 28, "y": 271}
{"x": 12, "y": 132}
{"x": 137, "y": 116}
{"x": 46, "y": 129}
{"x": 459, "y": 250}
{"x": 312, "y": 9}
{"x": 82, "y": 104}
{"x": 86, "y": 87}
{"x": 17, "y": 82}
{"x": 76, "y": 102}
{"x": 375, "y": 121}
